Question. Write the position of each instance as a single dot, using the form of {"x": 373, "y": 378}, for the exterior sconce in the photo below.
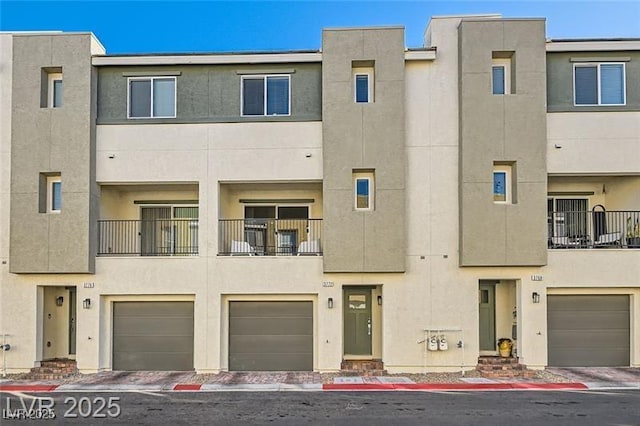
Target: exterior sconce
{"x": 86, "y": 303}
{"x": 330, "y": 303}
{"x": 535, "y": 297}
{"x": 379, "y": 300}
{"x": 59, "y": 300}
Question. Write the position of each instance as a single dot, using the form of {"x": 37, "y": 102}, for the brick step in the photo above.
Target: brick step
{"x": 47, "y": 370}
{"x": 495, "y": 367}
{"x": 369, "y": 364}
{"x": 364, "y": 373}
{"x": 58, "y": 363}
{"x": 492, "y": 360}
{"x": 54, "y": 369}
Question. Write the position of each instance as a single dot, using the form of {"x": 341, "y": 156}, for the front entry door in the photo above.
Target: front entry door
{"x": 487, "y": 318}
{"x": 72, "y": 321}
{"x": 357, "y": 321}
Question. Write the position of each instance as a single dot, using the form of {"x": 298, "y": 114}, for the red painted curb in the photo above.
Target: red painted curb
{"x": 28, "y": 388}
{"x": 187, "y": 387}
{"x": 550, "y": 386}
{"x": 454, "y": 386}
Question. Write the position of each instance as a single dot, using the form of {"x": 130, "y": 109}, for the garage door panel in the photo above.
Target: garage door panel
{"x": 154, "y": 326}
{"x": 588, "y": 330}
{"x": 271, "y": 326}
{"x": 271, "y": 344}
{"x": 589, "y": 302}
{"x": 586, "y": 339}
{"x": 271, "y": 336}
{"x": 152, "y": 343}
{"x": 603, "y": 320}
{"x": 269, "y": 309}
{"x": 275, "y": 362}
{"x": 154, "y": 361}
{"x": 141, "y": 309}
{"x": 593, "y": 358}
{"x": 153, "y": 336}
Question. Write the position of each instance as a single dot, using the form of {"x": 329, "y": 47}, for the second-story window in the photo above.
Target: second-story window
{"x": 599, "y": 84}
{"x": 54, "y": 194}
{"x": 266, "y": 95}
{"x": 152, "y": 97}
{"x": 55, "y": 90}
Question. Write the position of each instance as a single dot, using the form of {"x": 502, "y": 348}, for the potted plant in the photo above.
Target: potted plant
{"x": 633, "y": 233}
{"x": 504, "y": 347}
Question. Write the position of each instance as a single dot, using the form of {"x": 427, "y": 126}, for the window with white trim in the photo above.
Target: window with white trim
{"x": 502, "y": 183}
{"x": 599, "y": 84}
{"x": 364, "y": 190}
{"x": 363, "y": 85}
{"x": 151, "y": 97}
{"x": 54, "y": 90}
{"x": 54, "y": 194}
{"x": 265, "y": 95}
{"x": 501, "y": 76}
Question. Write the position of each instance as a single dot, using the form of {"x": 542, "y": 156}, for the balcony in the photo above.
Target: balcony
{"x": 595, "y": 229}
{"x": 270, "y": 237}
{"x": 159, "y": 237}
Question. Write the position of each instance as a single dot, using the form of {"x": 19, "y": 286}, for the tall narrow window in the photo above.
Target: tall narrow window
{"x": 362, "y": 88}
{"x": 363, "y": 182}
{"x": 266, "y": 95}
{"x": 54, "y": 194}
{"x": 503, "y": 183}
{"x": 55, "y": 90}
{"x": 497, "y": 78}
{"x": 501, "y": 73}
{"x": 363, "y": 84}
{"x": 599, "y": 84}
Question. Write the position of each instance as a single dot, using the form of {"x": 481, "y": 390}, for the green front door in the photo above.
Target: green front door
{"x": 357, "y": 321}
{"x": 487, "y": 316}
{"x": 72, "y": 320}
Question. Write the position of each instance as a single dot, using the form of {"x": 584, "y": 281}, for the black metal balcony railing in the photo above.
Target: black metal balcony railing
{"x": 270, "y": 237}
{"x": 161, "y": 237}
{"x": 594, "y": 229}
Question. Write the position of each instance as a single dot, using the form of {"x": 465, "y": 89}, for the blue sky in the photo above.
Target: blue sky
{"x": 148, "y": 26}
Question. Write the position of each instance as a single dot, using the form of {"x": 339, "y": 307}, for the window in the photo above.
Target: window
{"x": 503, "y": 183}
{"x": 265, "y": 95}
{"x": 54, "y": 194}
{"x": 599, "y": 84}
{"x": 363, "y": 84}
{"x": 152, "y": 97}
{"x": 363, "y": 190}
{"x": 501, "y": 76}
{"x": 55, "y": 90}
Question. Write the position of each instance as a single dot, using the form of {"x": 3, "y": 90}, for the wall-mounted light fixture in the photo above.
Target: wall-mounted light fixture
{"x": 535, "y": 297}
{"x": 379, "y": 300}
{"x": 59, "y": 301}
{"x": 86, "y": 303}
{"x": 330, "y": 303}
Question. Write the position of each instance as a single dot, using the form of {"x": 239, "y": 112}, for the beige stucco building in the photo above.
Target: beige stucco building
{"x": 306, "y": 210}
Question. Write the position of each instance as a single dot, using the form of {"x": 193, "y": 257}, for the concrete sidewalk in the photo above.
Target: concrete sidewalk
{"x": 157, "y": 381}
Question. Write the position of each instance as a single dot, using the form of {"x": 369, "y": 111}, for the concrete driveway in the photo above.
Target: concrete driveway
{"x": 606, "y": 376}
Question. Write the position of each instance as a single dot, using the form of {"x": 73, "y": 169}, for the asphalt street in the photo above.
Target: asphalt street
{"x": 582, "y": 408}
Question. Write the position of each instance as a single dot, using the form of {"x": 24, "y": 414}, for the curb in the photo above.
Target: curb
{"x": 315, "y": 387}
{"x": 454, "y": 386}
{"x": 282, "y": 387}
